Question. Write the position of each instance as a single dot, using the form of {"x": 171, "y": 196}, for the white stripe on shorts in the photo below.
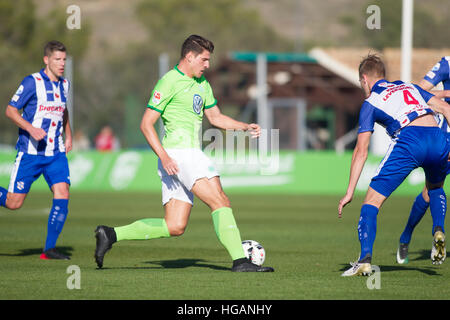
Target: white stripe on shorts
{"x": 386, "y": 157}
{"x": 12, "y": 180}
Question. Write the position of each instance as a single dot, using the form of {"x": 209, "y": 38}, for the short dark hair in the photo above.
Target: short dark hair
{"x": 197, "y": 45}
{"x": 372, "y": 65}
{"x": 53, "y": 46}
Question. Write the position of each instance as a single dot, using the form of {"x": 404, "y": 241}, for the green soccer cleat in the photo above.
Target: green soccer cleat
{"x": 402, "y": 253}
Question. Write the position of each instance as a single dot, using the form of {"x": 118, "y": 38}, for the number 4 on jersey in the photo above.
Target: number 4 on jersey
{"x": 409, "y": 99}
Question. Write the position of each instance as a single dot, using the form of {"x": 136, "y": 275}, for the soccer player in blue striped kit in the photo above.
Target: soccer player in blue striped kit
{"x": 407, "y": 113}
{"x": 439, "y": 73}
{"x": 41, "y": 146}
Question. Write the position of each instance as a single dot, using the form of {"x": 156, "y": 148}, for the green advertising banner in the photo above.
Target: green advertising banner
{"x": 284, "y": 172}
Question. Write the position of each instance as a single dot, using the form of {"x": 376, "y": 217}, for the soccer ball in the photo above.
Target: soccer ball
{"x": 254, "y": 251}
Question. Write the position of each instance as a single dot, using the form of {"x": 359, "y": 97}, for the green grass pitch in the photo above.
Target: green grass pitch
{"x": 305, "y": 242}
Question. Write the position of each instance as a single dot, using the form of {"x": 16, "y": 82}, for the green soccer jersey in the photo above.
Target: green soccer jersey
{"x": 181, "y": 101}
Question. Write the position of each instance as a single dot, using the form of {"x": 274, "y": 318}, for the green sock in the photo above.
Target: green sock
{"x": 227, "y": 232}
{"x": 144, "y": 229}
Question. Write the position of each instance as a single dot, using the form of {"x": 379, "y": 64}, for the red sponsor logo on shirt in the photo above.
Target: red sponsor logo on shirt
{"x": 52, "y": 108}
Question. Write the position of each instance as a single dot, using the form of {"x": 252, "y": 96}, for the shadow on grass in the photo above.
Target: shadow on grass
{"x": 37, "y": 251}
{"x": 431, "y": 271}
{"x": 176, "y": 264}
{"x": 423, "y": 255}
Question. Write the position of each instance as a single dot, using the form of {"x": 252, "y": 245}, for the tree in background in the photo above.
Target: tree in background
{"x": 429, "y": 31}
{"x": 22, "y": 39}
{"x": 126, "y": 81}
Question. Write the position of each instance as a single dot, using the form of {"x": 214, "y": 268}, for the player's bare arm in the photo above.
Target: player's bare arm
{"x": 13, "y": 114}
{"x": 440, "y": 94}
{"x": 219, "y": 120}
{"x": 359, "y": 158}
{"x": 148, "y": 129}
{"x": 440, "y": 106}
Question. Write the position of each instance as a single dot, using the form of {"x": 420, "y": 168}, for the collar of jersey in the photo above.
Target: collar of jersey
{"x": 183, "y": 74}
{"x": 176, "y": 68}
{"x": 45, "y": 76}
{"x": 377, "y": 83}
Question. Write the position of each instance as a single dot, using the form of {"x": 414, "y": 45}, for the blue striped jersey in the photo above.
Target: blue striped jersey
{"x": 441, "y": 73}
{"x": 43, "y": 103}
{"x": 393, "y": 105}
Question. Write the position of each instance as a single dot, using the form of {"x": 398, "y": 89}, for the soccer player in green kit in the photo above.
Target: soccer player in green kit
{"x": 181, "y": 98}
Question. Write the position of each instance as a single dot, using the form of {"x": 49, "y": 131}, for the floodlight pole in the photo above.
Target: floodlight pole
{"x": 68, "y": 74}
{"x": 380, "y": 139}
{"x": 163, "y": 69}
{"x": 261, "y": 82}
{"x": 407, "y": 39}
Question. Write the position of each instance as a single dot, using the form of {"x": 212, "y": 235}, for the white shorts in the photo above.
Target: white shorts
{"x": 193, "y": 164}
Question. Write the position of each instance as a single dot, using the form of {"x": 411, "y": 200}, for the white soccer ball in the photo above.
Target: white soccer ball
{"x": 254, "y": 251}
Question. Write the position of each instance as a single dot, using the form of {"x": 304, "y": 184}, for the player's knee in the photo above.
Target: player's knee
{"x": 61, "y": 191}
{"x": 176, "y": 229}
{"x": 61, "y": 194}
{"x": 14, "y": 205}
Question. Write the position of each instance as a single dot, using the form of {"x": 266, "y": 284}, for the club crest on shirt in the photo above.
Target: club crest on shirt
{"x": 17, "y": 94}
{"x": 20, "y": 90}
{"x": 156, "y": 97}
{"x": 197, "y": 103}
{"x": 436, "y": 67}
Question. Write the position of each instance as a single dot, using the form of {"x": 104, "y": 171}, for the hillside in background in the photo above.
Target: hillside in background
{"x": 116, "y": 52}
{"x": 307, "y": 23}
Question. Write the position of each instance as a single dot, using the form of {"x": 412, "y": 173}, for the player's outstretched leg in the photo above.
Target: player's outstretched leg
{"x": 418, "y": 210}
{"x": 144, "y": 229}
{"x": 229, "y": 236}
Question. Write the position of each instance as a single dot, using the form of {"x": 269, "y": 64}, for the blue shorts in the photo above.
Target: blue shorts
{"x": 28, "y": 168}
{"x": 425, "y": 147}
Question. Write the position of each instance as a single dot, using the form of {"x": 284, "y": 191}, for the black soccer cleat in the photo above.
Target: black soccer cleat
{"x": 245, "y": 265}
{"x": 51, "y": 254}
{"x": 105, "y": 236}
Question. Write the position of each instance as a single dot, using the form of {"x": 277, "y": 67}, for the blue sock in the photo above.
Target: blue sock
{"x": 56, "y": 221}
{"x": 367, "y": 229}
{"x": 438, "y": 207}
{"x": 3, "y": 194}
{"x": 418, "y": 210}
